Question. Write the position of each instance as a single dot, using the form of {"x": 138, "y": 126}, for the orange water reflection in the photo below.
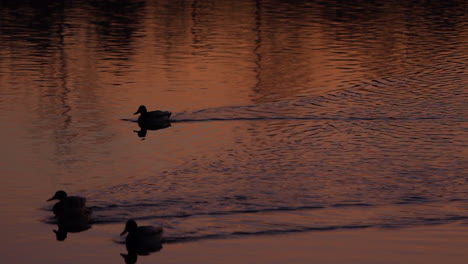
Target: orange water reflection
{"x": 70, "y": 71}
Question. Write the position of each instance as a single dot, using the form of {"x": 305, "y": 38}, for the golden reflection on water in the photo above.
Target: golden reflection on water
{"x": 69, "y": 72}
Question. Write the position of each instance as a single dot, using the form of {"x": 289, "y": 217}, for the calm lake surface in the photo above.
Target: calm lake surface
{"x": 288, "y": 117}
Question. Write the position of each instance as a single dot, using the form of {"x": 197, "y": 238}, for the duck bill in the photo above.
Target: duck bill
{"x": 124, "y": 232}
{"x": 53, "y": 198}
{"x": 137, "y": 112}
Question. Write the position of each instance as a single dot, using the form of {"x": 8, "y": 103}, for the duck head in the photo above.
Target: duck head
{"x": 59, "y": 195}
{"x": 129, "y": 227}
{"x": 141, "y": 110}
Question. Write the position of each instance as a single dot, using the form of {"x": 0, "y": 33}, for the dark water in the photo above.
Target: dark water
{"x": 289, "y": 116}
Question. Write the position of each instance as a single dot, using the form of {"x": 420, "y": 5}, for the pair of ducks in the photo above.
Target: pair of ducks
{"x": 140, "y": 240}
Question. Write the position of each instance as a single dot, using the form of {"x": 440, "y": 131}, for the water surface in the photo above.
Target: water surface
{"x": 288, "y": 117}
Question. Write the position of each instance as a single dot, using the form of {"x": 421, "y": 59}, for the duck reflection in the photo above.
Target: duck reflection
{"x": 141, "y": 240}
{"x": 144, "y": 129}
{"x": 72, "y": 222}
{"x": 71, "y": 214}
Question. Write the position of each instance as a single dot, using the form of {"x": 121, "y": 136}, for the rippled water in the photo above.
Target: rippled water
{"x": 287, "y": 116}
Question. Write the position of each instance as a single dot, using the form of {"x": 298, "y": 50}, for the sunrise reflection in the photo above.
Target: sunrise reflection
{"x": 286, "y": 127}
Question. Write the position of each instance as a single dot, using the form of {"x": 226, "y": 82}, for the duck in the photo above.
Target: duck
{"x": 142, "y": 240}
{"x": 67, "y": 204}
{"x": 152, "y": 119}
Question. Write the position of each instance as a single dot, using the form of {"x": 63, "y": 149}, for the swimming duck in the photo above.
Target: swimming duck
{"x": 67, "y": 203}
{"x": 142, "y": 240}
{"x": 153, "y": 119}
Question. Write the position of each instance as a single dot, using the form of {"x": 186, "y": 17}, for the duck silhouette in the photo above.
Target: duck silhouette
{"x": 154, "y": 119}
{"x": 141, "y": 240}
{"x": 67, "y": 204}
{"x": 71, "y": 214}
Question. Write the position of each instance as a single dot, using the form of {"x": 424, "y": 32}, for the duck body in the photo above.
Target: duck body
{"x": 142, "y": 240}
{"x": 153, "y": 119}
{"x": 71, "y": 214}
{"x": 67, "y": 204}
